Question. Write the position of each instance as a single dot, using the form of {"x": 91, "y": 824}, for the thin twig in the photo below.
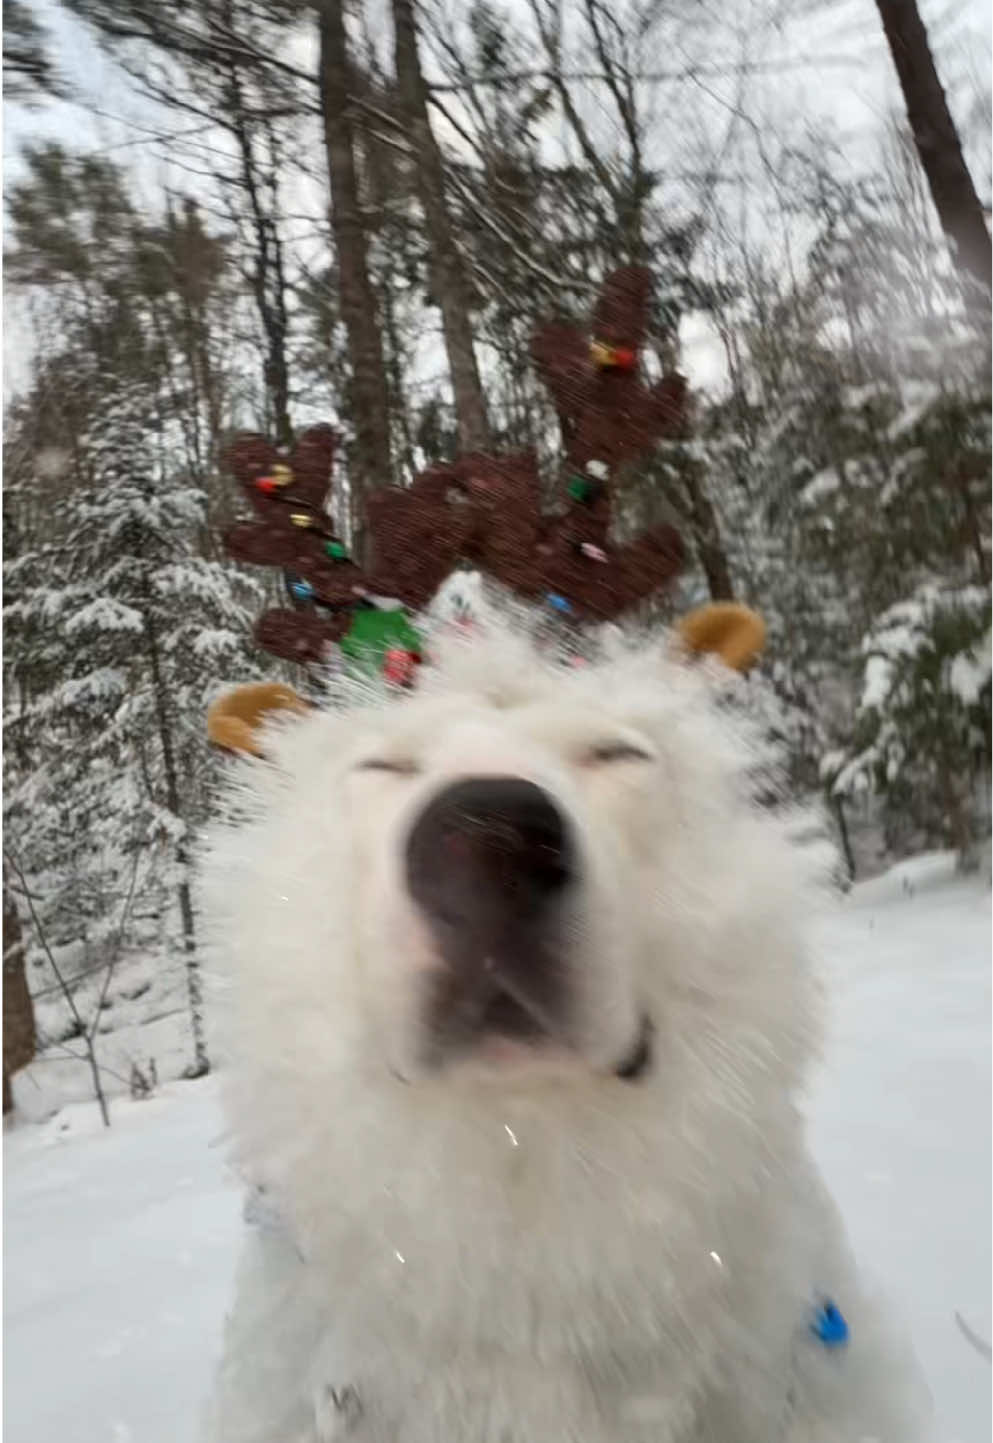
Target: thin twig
{"x": 43, "y": 939}
{"x": 119, "y": 942}
{"x": 981, "y": 1346}
{"x": 88, "y": 1037}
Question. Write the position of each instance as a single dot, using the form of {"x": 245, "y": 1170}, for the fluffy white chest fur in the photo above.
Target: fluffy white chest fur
{"x": 541, "y": 1247}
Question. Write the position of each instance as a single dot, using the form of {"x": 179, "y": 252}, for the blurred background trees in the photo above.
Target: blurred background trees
{"x": 250, "y": 214}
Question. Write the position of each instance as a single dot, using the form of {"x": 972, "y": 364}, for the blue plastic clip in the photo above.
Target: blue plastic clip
{"x": 829, "y": 1325}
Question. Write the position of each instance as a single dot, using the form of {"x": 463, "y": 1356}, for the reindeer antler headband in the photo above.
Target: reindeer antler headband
{"x": 479, "y": 510}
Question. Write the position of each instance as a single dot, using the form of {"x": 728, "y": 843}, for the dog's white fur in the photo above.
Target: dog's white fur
{"x": 544, "y": 1252}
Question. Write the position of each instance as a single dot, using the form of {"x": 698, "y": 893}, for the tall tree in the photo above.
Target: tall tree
{"x": 134, "y": 626}
{"x": 259, "y": 166}
{"x": 449, "y": 279}
{"x": 852, "y": 470}
{"x": 937, "y": 139}
{"x": 218, "y": 61}
{"x": 28, "y": 71}
{"x": 117, "y": 619}
{"x": 370, "y": 464}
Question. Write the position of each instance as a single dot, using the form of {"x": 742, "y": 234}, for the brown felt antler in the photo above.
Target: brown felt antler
{"x": 292, "y": 529}
{"x": 606, "y": 412}
{"x": 480, "y": 510}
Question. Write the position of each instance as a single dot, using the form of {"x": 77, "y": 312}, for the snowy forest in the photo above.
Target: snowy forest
{"x": 314, "y": 211}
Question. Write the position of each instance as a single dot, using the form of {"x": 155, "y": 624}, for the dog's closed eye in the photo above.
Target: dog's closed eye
{"x": 395, "y": 766}
{"x": 617, "y": 750}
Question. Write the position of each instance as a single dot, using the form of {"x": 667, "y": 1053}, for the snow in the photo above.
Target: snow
{"x": 118, "y": 1265}
{"x": 901, "y": 1115}
{"x": 855, "y": 397}
{"x": 104, "y": 613}
{"x": 906, "y": 629}
{"x": 969, "y": 673}
{"x": 819, "y": 487}
{"x": 877, "y": 682}
{"x": 120, "y": 1245}
{"x": 144, "y": 1023}
{"x": 918, "y": 397}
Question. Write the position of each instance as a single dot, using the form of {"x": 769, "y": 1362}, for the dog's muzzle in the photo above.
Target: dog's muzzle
{"x": 494, "y": 868}
{"x": 491, "y": 864}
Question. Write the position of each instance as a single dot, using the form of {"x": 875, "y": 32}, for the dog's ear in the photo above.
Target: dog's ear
{"x": 235, "y": 719}
{"x": 725, "y": 629}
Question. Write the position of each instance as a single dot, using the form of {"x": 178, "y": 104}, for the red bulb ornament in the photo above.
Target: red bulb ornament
{"x": 278, "y": 477}
{"x": 399, "y": 667}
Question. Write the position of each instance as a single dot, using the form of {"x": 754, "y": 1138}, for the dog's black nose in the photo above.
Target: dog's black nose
{"x": 487, "y": 854}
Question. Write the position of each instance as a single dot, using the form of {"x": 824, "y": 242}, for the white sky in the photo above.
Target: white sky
{"x": 838, "y": 79}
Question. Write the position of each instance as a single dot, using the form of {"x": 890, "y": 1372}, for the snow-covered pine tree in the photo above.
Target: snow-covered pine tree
{"x": 852, "y": 470}
{"x": 136, "y": 629}
{"x": 921, "y": 736}
{"x": 900, "y": 521}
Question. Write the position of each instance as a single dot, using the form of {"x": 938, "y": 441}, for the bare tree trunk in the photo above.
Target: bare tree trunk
{"x": 449, "y": 281}
{"x": 837, "y": 805}
{"x": 268, "y": 280}
{"x": 707, "y": 539}
{"x": 936, "y": 138}
{"x": 87, "y": 1034}
{"x": 705, "y": 527}
{"x": 19, "y": 1037}
{"x": 371, "y": 463}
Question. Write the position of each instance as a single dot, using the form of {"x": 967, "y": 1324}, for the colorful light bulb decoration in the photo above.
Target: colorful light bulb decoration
{"x": 612, "y": 358}
{"x": 301, "y": 590}
{"x": 275, "y": 479}
{"x": 829, "y": 1325}
{"x": 481, "y": 510}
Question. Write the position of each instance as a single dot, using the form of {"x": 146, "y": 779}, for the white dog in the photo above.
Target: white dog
{"x": 517, "y": 1005}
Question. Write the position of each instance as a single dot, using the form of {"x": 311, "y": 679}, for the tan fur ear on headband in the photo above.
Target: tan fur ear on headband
{"x": 234, "y": 719}
{"x": 724, "y": 629}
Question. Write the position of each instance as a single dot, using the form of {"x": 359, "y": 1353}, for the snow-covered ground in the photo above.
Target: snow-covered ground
{"x": 144, "y": 1022}
{"x": 120, "y": 1245}
{"x": 901, "y": 1116}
